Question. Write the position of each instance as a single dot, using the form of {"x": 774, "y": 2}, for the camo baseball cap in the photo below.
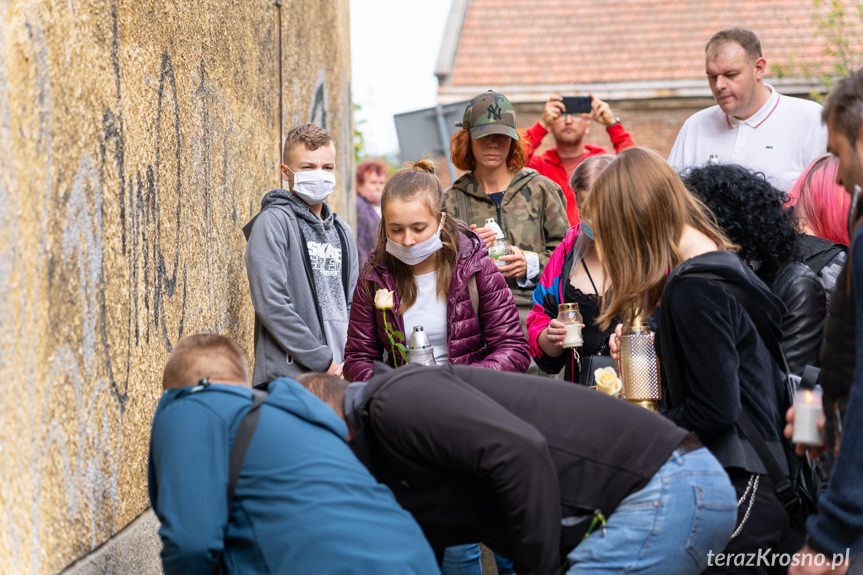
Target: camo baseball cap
{"x": 489, "y": 113}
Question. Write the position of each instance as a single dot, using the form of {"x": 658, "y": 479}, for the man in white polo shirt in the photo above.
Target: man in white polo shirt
{"x": 752, "y": 124}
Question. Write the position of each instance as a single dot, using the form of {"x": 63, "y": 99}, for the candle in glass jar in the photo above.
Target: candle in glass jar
{"x": 570, "y": 317}
{"x": 807, "y": 412}
{"x": 573, "y": 337}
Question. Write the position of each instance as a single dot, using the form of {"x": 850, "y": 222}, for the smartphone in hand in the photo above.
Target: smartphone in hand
{"x": 577, "y": 105}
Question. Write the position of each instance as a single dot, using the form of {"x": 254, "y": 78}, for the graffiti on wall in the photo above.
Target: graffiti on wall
{"x": 134, "y": 166}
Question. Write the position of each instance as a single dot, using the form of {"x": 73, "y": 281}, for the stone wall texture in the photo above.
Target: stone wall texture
{"x": 136, "y": 138}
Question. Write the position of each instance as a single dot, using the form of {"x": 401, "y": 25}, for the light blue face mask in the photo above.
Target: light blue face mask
{"x": 587, "y": 229}
{"x": 417, "y": 253}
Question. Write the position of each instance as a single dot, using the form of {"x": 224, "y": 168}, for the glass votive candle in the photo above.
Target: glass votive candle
{"x": 807, "y": 411}
{"x": 570, "y": 317}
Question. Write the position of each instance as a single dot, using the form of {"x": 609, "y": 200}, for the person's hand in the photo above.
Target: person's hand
{"x": 614, "y": 342}
{"x": 485, "y": 234}
{"x": 554, "y": 333}
{"x": 335, "y": 369}
{"x": 517, "y": 263}
{"x": 552, "y": 110}
{"x": 814, "y": 451}
{"x": 601, "y": 111}
{"x": 807, "y": 562}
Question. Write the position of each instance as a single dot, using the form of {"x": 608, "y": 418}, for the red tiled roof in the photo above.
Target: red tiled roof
{"x": 547, "y": 42}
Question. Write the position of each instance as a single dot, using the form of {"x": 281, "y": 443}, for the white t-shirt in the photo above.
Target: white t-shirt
{"x": 779, "y": 140}
{"x": 429, "y": 311}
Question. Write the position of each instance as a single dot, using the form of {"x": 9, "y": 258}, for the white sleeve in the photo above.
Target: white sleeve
{"x": 529, "y": 279}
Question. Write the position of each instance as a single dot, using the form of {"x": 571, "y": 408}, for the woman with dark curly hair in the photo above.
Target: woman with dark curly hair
{"x": 751, "y": 213}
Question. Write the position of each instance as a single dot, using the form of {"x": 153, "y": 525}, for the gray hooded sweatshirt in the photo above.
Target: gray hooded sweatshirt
{"x": 302, "y": 273}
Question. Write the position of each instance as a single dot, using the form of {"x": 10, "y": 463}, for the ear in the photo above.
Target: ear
{"x": 286, "y": 175}
{"x": 760, "y": 66}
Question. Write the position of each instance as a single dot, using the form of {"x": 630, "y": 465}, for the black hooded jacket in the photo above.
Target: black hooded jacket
{"x": 714, "y": 361}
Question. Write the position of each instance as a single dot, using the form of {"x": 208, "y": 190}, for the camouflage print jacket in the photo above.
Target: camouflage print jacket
{"x": 532, "y": 214}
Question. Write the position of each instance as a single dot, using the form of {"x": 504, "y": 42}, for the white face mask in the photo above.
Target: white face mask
{"x": 412, "y": 255}
{"x": 313, "y": 186}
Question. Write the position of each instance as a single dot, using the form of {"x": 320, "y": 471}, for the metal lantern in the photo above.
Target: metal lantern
{"x": 639, "y": 366}
{"x": 420, "y": 350}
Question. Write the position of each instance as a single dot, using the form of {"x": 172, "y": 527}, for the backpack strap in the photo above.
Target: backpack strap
{"x": 474, "y": 294}
{"x": 782, "y": 485}
{"x": 343, "y": 240}
{"x": 242, "y": 439}
{"x": 817, "y": 262}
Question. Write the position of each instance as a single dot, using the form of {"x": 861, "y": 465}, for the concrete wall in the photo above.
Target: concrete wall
{"x": 136, "y": 137}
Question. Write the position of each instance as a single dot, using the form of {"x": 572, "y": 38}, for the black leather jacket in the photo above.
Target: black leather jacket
{"x": 805, "y": 310}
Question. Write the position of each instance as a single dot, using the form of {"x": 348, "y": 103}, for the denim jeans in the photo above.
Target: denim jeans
{"x": 462, "y": 560}
{"x": 504, "y": 565}
{"x": 687, "y": 509}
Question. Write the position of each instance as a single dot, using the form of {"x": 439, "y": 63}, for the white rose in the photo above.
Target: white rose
{"x": 607, "y": 380}
{"x": 384, "y": 299}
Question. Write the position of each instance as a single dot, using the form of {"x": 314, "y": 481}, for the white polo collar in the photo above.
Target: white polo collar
{"x": 761, "y": 115}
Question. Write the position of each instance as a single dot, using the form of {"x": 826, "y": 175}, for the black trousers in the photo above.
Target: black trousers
{"x": 765, "y": 528}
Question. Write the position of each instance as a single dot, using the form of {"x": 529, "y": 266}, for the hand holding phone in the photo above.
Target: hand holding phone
{"x": 576, "y": 105}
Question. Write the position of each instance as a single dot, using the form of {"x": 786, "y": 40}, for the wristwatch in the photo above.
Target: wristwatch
{"x": 616, "y": 121}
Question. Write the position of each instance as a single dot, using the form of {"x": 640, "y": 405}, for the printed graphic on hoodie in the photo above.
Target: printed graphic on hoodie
{"x": 325, "y": 258}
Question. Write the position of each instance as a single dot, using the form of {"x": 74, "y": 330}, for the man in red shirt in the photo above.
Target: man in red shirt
{"x": 570, "y": 150}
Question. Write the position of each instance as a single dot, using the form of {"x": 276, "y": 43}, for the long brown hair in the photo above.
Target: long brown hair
{"x": 639, "y": 208}
{"x": 417, "y": 180}
{"x": 462, "y": 154}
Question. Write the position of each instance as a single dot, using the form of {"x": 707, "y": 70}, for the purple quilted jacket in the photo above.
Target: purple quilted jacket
{"x": 494, "y": 339}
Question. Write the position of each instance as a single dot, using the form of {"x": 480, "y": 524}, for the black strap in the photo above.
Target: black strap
{"x": 343, "y": 240}
{"x": 242, "y": 439}
{"x": 781, "y": 483}
{"x": 817, "y": 262}
{"x": 589, "y": 277}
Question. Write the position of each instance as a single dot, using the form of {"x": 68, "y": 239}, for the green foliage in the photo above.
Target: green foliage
{"x": 359, "y": 139}
{"x": 832, "y": 24}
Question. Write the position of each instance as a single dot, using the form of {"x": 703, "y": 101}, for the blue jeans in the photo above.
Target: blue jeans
{"x": 462, "y": 560}
{"x": 687, "y": 509}
{"x": 504, "y": 565}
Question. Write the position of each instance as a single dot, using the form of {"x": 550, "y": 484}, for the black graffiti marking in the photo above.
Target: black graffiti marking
{"x": 319, "y": 106}
{"x": 164, "y": 283}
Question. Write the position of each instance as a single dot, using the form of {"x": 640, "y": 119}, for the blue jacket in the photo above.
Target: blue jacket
{"x": 838, "y": 525}
{"x": 303, "y": 503}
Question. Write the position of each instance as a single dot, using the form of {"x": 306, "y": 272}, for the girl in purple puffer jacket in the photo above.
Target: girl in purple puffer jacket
{"x": 420, "y": 274}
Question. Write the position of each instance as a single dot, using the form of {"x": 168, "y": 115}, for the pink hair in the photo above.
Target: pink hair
{"x": 821, "y": 203}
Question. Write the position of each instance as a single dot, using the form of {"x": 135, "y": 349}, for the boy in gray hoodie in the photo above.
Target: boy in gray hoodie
{"x": 302, "y": 265}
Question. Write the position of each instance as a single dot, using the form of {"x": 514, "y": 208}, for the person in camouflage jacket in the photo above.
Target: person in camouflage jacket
{"x": 530, "y": 209}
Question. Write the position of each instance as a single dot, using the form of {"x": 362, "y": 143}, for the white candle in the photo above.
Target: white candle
{"x": 807, "y": 412}
{"x": 573, "y": 336}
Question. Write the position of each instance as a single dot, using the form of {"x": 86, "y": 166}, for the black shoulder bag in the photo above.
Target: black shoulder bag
{"x": 245, "y": 432}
